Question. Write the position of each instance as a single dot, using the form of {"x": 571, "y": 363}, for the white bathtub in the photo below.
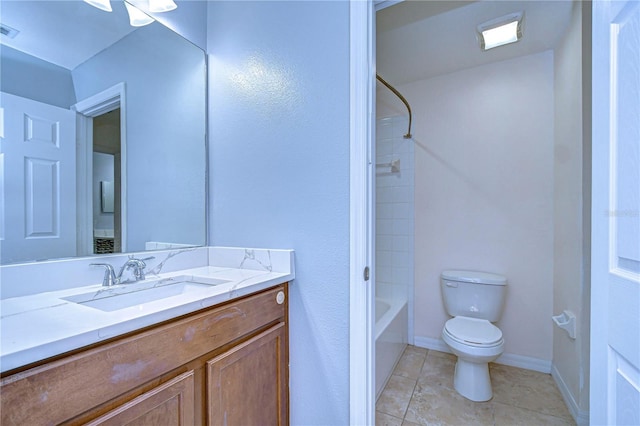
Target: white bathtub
{"x": 391, "y": 338}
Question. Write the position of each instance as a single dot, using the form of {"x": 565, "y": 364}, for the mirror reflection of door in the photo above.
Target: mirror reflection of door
{"x": 106, "y": 170}
{"x": 37, "y": 180}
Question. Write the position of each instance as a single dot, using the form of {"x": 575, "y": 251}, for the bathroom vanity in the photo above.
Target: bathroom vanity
{"x": 214, "y": 355}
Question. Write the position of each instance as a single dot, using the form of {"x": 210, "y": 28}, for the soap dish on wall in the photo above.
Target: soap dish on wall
{"x": 566, "y": 321}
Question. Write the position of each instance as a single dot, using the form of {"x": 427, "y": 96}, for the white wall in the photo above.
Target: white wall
{"x": 279, "y": 173}
{"x": 570, "y": 357}
{"x": 484, "y": 193}
{"x": 33, "y": 78}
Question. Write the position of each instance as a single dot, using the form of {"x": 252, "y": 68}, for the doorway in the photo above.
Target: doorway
{"x": 106, "y": 183}
{"x": 101, "y": 130}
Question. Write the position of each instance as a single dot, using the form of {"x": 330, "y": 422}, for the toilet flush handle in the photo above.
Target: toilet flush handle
{"x": 450, "y": 284}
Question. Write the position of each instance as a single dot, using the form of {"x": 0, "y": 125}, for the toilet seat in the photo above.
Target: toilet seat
{"x": 473, "y": 332}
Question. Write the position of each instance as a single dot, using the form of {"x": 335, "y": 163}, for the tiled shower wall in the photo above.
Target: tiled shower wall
{"x": 394, "y": 212}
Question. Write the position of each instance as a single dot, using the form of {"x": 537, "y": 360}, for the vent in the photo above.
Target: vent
{"x": 6, "y": 30}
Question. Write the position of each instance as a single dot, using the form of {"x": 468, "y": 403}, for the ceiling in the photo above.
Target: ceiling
{"x": 416, "y": 39}
{"x": 65, "y": 33}
{"x": 421, "y": 39}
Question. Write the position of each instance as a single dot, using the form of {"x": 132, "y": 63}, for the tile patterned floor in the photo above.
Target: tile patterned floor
{"x": 420, "y": 392}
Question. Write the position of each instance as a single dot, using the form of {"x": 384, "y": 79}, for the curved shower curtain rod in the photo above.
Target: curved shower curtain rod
{"x": 404, "y": 101}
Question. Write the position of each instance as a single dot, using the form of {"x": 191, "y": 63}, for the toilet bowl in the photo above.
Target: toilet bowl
{"x": 474, "y": 351}
{"x": 475, "y": 300}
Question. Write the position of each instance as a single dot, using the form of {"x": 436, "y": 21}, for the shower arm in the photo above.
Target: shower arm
{"x": 404, "y": 101}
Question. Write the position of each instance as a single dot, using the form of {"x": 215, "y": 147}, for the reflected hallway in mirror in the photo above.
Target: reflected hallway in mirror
{"x": 106, "y": 183}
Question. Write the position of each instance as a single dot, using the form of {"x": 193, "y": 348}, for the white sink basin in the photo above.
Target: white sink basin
{"x": 124, "y": 296}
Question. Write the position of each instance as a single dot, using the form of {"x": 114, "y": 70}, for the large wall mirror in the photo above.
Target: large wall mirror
{"x": 94, "y": 108}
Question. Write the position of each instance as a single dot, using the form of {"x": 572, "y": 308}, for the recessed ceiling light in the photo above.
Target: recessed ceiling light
{"x": 500, "y": 31}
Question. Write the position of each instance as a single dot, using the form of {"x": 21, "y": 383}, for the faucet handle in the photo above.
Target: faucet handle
{"x": 139, "y": 270}
{"x": 142, "y": 264}
{"x": 109, "y": 274}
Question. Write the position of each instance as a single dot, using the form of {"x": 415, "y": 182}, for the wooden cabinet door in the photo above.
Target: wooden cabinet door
{"x": 171, "y": 403}
{"x": 248, "y": 384}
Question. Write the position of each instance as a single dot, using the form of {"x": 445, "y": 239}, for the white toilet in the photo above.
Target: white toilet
{"x": 474, "y": 300}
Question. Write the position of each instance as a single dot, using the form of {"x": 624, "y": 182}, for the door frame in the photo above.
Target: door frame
{"x": 93, "y": 106}
{"x": 362, "y": 289}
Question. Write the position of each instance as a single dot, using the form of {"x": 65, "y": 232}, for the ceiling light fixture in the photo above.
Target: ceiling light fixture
{"x": 137, "y": 18}
{"x": 500, "y": 31}
{"x": 6, "y": 30}
{"x": 100, "y": 4}
{"x": 161, "y": 5}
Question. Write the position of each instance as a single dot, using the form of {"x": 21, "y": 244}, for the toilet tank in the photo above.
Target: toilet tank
{"x": 473, "y": 294}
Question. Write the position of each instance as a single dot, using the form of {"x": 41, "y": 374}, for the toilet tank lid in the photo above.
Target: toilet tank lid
{"x": 474, "y": 277}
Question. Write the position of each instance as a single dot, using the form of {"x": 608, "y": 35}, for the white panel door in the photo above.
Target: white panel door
{"x": 615, "y": 277}
{"x": 38, "y": 181}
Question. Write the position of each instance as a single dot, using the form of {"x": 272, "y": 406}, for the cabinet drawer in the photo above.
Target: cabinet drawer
{"x": 60, "y": 390}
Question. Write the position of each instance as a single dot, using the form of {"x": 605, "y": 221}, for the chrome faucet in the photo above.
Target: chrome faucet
{"x": 138, "y": 266}
{"x": 110, "y": 277}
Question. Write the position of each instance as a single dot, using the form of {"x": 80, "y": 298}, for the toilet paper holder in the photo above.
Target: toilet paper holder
{"x": 566, "y": 321}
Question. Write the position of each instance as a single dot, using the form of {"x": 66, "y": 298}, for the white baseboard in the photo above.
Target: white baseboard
{"x": 581, "y": 417}
{"x": 526, "y": 362}
{"x": 429, "y": 343}
{"x": 513, "y": 360}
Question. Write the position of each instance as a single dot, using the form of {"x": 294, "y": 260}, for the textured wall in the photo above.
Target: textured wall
{"x": 279, "y": 172}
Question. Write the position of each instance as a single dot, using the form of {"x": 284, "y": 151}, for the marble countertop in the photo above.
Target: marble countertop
{"x": 38, "y": 326}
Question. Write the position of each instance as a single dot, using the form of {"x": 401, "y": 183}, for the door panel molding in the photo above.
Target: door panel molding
{"x": 615, "y": 276}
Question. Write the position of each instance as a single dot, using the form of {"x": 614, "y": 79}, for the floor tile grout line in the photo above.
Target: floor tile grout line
{"x": 390, "y": 415}
{"x": 404, "y": 352}
{"x": 404, "y": 417}
{"x": 518, "y": 406}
